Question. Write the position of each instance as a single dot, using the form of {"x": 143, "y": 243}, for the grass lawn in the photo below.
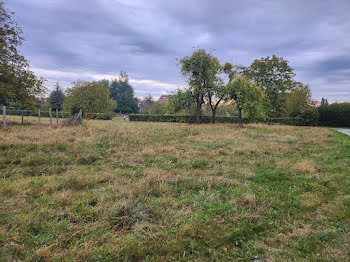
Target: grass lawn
{"x": 130, "y": 191}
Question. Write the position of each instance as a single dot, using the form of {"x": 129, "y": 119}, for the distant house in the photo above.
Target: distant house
{"x": 163, "y": 98}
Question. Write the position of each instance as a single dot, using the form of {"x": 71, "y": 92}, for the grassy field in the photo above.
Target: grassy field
{"x": 131, "y": 191}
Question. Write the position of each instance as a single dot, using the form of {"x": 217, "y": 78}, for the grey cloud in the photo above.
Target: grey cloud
{"x": 145, "y": 37}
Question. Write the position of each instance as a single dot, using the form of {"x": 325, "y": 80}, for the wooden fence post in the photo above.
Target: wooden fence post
{"x": 39, "y": 115}
{"x": 50, "y": 115}
{"x": 4, "y": 117}
{"x": 22, "y": 116}
{"x": 56, "y": 116}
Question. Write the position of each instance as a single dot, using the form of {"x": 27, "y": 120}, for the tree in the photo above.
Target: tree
{"x": 146, "y": 104}
{"x": 200, "y": 69}
{"x": 57, "y": 97}
{"x": 324, "y": 101}
{"x": 216, "y": 93}
{"x": 181, "y": 100}
{"x": 123, "y": 94}
{"x": 90, "y": 97}
{"x": 275, "y": 77}
{"x": 17, "y": 83}
{"x": 247, "y": 96}
{"x": 299, "y": 104}
{"x": 105, "y": 83}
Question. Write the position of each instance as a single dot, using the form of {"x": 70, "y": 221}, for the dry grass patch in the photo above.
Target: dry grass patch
{"x": 305, "y": 167}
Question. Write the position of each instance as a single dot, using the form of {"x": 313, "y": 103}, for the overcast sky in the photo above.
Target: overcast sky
{"x": 68, "y": 40}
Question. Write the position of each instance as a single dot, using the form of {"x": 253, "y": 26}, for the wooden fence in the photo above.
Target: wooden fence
{"x": 51, "y": 117}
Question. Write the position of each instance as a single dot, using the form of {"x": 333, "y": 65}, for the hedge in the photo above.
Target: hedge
{"x": 293, "y": 121}
{"x": 337, "y": 115}
{"x": 100, "y": 116}
{"x": 297, "y": 121}
{"x": 179, "y": 119}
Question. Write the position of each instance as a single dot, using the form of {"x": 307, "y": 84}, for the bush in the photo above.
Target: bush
{"x": 100, "y": 116}
{"x": 310, "y": 116}
{"x": 293, "y": 121}
{"x": 179, "y": 119}
{"x": 335, "y": 115}
{"x": 297, "y": 121}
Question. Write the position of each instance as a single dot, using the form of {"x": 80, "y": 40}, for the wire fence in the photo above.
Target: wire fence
{"x": 52, "y": 118}
{"x": 14, "y": 116}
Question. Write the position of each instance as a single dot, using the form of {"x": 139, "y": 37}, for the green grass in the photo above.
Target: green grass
{"x": 131, "y": 191}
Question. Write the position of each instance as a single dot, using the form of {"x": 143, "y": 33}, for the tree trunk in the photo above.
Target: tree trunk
{"x": 213, "y": 109}
{"x": 213, "y": 116}
{"x": 198, "y": 109}
{"x": 240, "y": 122}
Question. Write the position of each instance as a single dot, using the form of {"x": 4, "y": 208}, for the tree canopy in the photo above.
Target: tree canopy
{"x": 299, "y": 104}
{"x": 57, "y": 97}
{"x": 123, "y": 94}
{"x": 201, "y": 70}
{"x": 17, "y": 83}
{"x": 90, "y": 97}
{"x": 275, "y": 77}
{"x": 247, "y": 96}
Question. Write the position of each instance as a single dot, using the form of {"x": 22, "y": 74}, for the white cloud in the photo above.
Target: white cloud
{"x": 142, "y": 86}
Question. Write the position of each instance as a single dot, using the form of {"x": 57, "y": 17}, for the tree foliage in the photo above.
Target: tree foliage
{"x": 17, "y": 83}
{"x": 57, "y": 97}
{"x": 247, "y": 96}
{"x": 181, "y": 101}
{"x": 90, "y": 97}
{"x": 201, "y": 70}
{"x": 123, "y": 94}
{"x": 275, "y": 77}
{"x": 299, "y": 104}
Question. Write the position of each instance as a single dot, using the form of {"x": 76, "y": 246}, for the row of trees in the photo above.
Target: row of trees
{"x": 17, "y": 83}
{"x": 95, "y": 97}
{"x": 266, "y": 88}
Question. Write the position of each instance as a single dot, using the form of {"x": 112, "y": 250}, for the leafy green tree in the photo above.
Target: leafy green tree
{"x": 201, "y": 70}
{"x": 159, "y": 108}
{"x": 17, "y": 83}
{"x": 123, "y": 94}
{"x": 181, "y": 101}
{"x": 299, "y": 104}
{"x": 247, "y": 97}
{"x": 215, "y": 93}
{"x": 57, "y": 97}
{"x": 105, "y": 83}
{"x": 90, "y": 97}
{"x": 275, "y": 77}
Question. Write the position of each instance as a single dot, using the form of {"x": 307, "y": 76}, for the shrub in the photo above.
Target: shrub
{"x": 100, "y": 116}
{"x": 179, "y": 119}
{"x": 297, "y": 121}
{"x": 293, "y": 121}
{"x": 337, "y": 114}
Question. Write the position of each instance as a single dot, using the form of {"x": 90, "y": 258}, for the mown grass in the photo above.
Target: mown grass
{"x": 130, "y": 191}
